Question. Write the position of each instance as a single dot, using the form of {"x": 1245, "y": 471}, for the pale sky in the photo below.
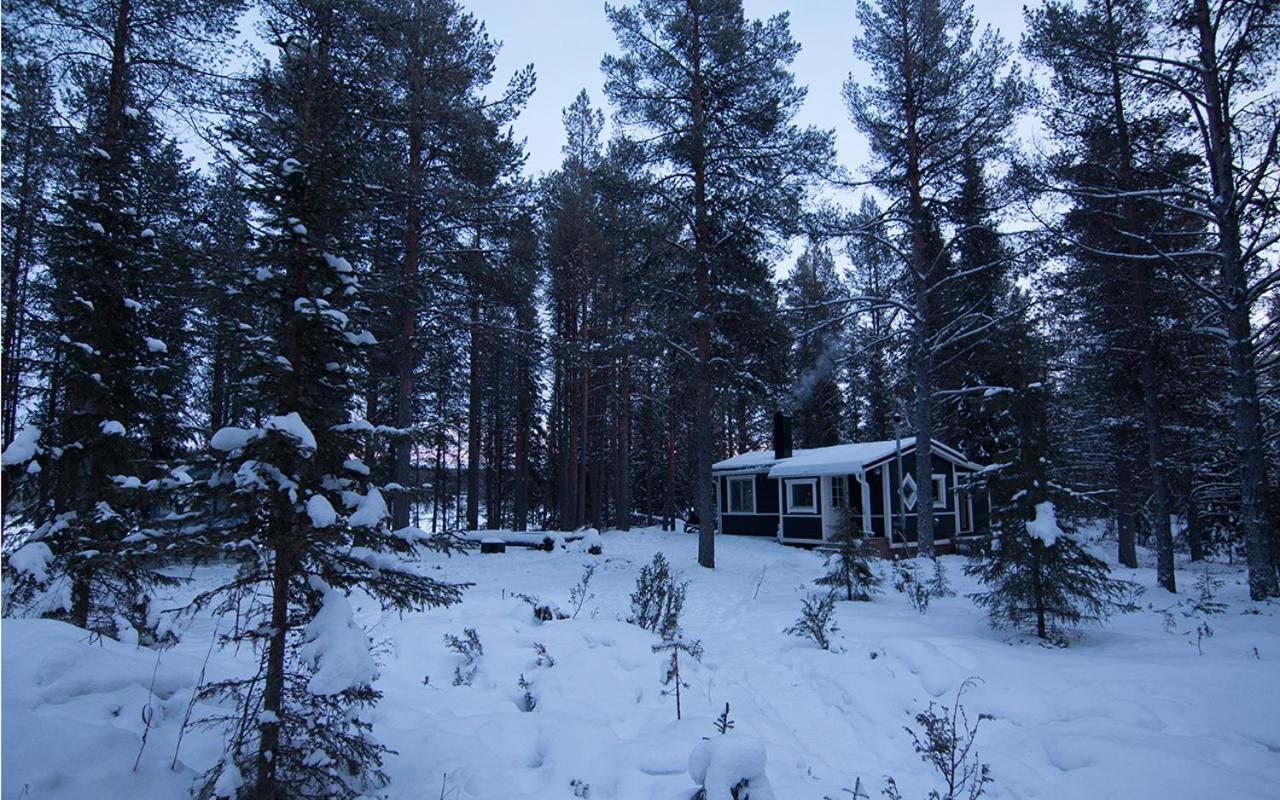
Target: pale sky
{"x": 565, "y": 40}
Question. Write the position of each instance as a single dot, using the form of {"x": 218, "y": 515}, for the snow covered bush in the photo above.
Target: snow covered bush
{"x": 730, "y": 768}
{"x": 850, "y": 568}
{"x": 946, "y": 742}
{"x": 1041, "y": 578}
{"x": 817, "y": 620}
{"x": 542, "y": 612}
{"x": 658, "y": 598}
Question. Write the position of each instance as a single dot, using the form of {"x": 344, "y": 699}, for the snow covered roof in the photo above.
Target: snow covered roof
{"x": 751, "y": 460}
{"x": 837, "y": 459}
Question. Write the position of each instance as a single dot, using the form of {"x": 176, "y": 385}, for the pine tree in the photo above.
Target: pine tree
{"x": 1120, "y": 145}
{"x": 1224, "y": 70}
{"x": 873, "y": 334}
{"x": 938, "y": 94}
{"x": 716, "y": 99}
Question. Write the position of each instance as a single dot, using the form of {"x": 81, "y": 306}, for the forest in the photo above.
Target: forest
{"x": 357, "y": 325}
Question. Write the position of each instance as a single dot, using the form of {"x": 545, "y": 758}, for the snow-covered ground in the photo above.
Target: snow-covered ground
{"x": 1130, "y": 710}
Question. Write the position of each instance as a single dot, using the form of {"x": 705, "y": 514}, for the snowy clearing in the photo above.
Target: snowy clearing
{"x": 1130, "y": 710}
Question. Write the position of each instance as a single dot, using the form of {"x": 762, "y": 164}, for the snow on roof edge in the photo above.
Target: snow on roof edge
{"x": 833, "y": 460}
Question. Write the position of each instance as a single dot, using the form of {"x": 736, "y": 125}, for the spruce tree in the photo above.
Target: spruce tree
{"x": 299, "y": 515}
{"x": 1036, "y": 575}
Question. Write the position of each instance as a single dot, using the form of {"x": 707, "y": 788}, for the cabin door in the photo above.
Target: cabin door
{"x": 836, "y": 507}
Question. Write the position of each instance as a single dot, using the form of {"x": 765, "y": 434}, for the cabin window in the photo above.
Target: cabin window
{"x": 840, "y": 491}
{"x": 940, "y": 491}
{"x": 742, "y": 495}
{"x": 802, "y": 496}
{"x": 908, "y": 492}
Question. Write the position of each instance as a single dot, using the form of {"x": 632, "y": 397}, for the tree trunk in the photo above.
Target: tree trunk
{"x": 473, "y": 417}
{"x": 669, "y": 478}
{"x": 1126, "y": 514}
{"x": 569, "y": 519}
{"x": 1235, "y": 283}
{"x": 1142, "y": 278}
{"x": 623, "y": 469}
{"x": 524, "y": 424}
{"x": 921, "y": 269}
{"x": 702, "y": 412}
{"x": 1195, "y": 530}
{"x": 406, "y": 351}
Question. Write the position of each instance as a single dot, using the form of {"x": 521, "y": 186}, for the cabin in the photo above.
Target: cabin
{"x": 806, "y": 497}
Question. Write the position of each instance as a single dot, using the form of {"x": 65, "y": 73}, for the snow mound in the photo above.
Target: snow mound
{"x": 72, "y": 715}
{"x": 591, "y": 540}
{"x": 720, "y": 764}
{"x": 1045, "y": 526}
{"x": 336, "y": 647}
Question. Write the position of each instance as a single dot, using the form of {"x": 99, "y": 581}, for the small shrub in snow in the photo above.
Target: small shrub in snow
{"x": 1040, "y": 576}
{"x": 723, "y": 723}
{"x": 671, "y": 677}
{"x": 850, "y": 568}
{"x": 946, "y": 742}
{"x": 468, "y": 646}
{"x": 904, "y": 576}
{"x": 939, "y": 586}
{"x": 527, "y": 701}
{"x": 918, "y": 595}
{"x": 658, "y": 598}
{"x": 544, "y": 658}
{"x": 817, "y": 620}
{"x": 579, "y": 594}
{"x": 1203, "y": 632}
{"x": 1205, "y": 601}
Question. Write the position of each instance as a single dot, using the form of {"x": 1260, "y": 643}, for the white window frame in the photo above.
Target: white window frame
{"x": 908, "y": 487}
{"x": 809, "y": 509}
{"x": 939, "y": 491}
{"x": 748, "y": 479}
{"x": 843, "y": 494}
